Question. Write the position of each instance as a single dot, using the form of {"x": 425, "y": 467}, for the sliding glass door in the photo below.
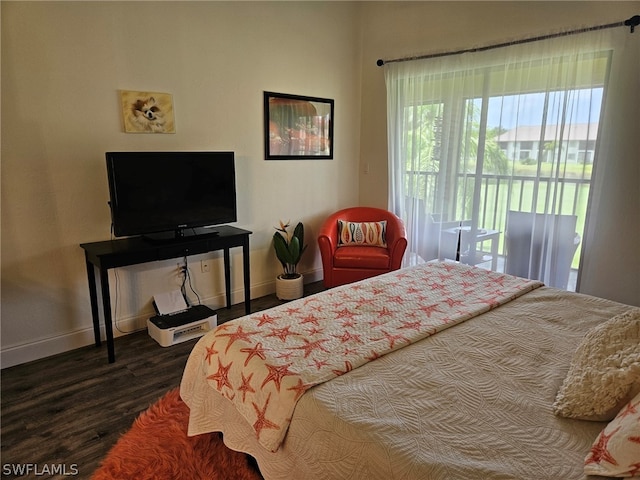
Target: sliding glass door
{"x": 491, "y": 155}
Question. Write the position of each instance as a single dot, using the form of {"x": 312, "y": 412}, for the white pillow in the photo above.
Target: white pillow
{"x": 605, "y": 370}
{"x": 616, "y": 451}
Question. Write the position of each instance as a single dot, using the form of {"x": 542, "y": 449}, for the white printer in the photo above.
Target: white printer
{"x": 176, "y": 322}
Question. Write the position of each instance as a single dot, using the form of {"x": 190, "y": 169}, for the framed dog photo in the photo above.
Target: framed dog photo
{"x": 147, "y": 112}
{"x": 297, "y": 127}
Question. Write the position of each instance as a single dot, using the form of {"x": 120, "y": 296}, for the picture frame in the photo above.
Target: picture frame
{"x": 297, "y": 127}
{"x": 147, "y": 112}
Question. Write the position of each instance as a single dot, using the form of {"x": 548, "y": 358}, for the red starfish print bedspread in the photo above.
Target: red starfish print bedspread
{"x": 264, "y": 362}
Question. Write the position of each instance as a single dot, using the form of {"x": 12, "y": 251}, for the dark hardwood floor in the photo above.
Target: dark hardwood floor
{"x": 69, "y": 410}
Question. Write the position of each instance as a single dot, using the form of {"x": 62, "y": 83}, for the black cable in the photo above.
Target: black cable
{"x": 186, "y": 276}
{"x": 191, "y": 287}
{"x": 184, "y": 269}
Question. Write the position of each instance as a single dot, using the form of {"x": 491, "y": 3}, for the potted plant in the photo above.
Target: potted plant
{"x": 289, "y": 249}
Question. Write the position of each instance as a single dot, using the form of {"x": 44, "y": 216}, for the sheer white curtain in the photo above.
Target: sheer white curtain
{"x": 491, "y": 153}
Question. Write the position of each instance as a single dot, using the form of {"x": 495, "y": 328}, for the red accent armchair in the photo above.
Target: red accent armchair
{"x": 347, "y": 264}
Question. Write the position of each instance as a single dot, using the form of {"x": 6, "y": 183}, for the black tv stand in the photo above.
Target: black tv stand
{"x": 135, "y": 250}
{"x": 180, "y": 235}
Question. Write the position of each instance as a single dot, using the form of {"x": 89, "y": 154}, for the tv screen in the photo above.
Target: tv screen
{"x": 170, "y": 193}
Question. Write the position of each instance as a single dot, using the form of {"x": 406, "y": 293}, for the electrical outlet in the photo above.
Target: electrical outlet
{"x": 204, "y": 266}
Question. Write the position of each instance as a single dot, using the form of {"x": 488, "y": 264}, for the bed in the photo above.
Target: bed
{"x": 467, "y": 395}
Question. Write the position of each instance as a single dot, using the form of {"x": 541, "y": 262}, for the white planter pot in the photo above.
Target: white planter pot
{"x": 289, "y": 288}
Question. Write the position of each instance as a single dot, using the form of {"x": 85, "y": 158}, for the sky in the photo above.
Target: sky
{"x": 527, "y": 109}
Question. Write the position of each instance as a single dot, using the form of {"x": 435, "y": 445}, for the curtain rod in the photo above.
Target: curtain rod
{"x": 630, "y": 22}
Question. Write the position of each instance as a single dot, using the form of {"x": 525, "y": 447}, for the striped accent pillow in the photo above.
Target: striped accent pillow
{"x": 372, "y": 234}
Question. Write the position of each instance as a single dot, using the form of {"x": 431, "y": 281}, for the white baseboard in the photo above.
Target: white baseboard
{"x": 29, "y": 351}
{"x": 45, "y": 347}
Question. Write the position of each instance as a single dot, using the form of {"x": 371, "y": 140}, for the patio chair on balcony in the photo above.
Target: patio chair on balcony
{"x": 421, "y": 229}
{"x": 541, "y": 246}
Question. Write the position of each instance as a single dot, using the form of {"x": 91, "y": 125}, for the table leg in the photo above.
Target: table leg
{"x": 106, "y": 306}
{"x": 247, "y": 280}
{"x": 227, "y": 276}
{"x": 93, "y": 296}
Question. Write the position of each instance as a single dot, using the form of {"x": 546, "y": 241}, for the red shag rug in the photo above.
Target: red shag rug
{"x": 157, "y": 448}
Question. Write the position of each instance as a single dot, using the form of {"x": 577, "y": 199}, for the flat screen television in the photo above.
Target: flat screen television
{"x": 166, "y": 195}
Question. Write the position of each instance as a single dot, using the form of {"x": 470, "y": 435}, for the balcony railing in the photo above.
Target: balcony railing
{"x": 498, "y": 195}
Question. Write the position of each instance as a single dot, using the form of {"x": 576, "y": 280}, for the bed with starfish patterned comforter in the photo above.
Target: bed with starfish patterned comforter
{"x": 440, "y": 371}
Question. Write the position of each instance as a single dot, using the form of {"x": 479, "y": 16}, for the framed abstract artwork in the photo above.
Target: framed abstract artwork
{"x": 297, "y": 127}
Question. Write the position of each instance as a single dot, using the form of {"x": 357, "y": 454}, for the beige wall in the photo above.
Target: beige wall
{"x": 63, "y": 62}
{"x": 62, "y": 65}
{"x": 611, "y": 263}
